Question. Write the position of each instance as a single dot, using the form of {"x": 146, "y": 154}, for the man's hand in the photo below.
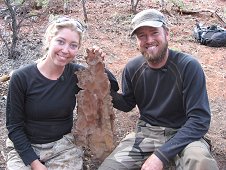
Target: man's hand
{"x": 99, "y": 51}
{"x": 152, "y": 163}
{"x": 37, "y": 165}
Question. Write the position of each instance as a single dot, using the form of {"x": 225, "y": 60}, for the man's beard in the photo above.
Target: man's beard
{"x": 155, "y": 58}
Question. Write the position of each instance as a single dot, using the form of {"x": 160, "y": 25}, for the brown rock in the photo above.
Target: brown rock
{"x": 94, "y": 125}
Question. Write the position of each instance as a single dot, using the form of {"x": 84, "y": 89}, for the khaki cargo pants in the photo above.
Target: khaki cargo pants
{"x": 58, "y": 155}
{"x": 136, "y": 147}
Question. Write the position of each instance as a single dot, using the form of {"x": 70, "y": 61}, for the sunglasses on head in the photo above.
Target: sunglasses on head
{"x": 77, "y": 23}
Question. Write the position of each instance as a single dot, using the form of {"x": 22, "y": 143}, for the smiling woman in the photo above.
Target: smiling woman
{"x": 40, "y": 103}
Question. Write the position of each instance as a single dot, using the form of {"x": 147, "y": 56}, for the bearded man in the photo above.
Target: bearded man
{"x": 169, "y": 89}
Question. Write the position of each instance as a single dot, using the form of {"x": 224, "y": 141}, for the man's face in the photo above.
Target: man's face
{"x": 152, "y": 43}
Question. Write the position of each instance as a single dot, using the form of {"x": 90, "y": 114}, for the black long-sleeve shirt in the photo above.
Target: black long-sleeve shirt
{"x": 173, "y": 96}
{"x": 40, "y": 110}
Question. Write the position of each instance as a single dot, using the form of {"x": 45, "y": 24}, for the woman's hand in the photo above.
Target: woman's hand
{"x": 37, "y": 165}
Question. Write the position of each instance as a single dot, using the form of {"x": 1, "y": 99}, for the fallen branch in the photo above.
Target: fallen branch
{"x": 213, "y": 13}
{"x": 220, "y": 19}
{"x": 4, "y": 78}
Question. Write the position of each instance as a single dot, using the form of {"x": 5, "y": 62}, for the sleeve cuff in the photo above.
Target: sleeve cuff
{"x": 162, "y": 157}
{"x": 28, "y": 156}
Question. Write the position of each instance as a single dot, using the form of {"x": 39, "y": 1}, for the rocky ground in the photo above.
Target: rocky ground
{"x": 108, "y": 27}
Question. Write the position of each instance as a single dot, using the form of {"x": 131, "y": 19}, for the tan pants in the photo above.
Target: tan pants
{"x": 58, "y": 155}
{"x": 136, "y": 147}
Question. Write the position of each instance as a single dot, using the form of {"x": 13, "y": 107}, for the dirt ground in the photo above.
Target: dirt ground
{"x": 108, "y": 27}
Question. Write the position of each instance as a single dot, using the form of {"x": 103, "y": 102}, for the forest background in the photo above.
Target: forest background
{"x": 108, "y": 25}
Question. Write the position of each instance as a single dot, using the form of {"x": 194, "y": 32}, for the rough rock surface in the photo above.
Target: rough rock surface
{"x": 94, "y": 124}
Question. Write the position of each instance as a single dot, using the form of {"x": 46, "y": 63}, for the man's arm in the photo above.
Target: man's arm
{"x": 120, "y": 103}
{"x": 196, "y": 104}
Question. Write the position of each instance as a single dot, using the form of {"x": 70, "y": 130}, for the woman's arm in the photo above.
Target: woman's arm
{"x": 16, "y": 117}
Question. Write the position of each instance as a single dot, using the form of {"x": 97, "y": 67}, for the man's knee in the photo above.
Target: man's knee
{"x": 117, "y": 161}
{"x": 110, "y": 164}
{"x": 198, "y": 156}
{"x": 197, "y": 150}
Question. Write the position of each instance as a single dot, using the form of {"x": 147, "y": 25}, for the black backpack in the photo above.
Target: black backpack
{"x": 213, "y": 36}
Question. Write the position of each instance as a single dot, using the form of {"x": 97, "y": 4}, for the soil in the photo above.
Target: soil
{"x": 108, "y": 27}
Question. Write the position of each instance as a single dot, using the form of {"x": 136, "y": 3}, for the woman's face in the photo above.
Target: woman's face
{"x": 63, "y": 47}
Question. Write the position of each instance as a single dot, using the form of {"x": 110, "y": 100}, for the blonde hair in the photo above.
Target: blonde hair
{"x": 58, "y": 24}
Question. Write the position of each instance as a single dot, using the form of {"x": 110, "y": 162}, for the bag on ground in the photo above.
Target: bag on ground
{"x": 213, "y": 36}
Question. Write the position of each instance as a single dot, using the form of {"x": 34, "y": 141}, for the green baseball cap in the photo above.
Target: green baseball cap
{"x": 148, "y": 17}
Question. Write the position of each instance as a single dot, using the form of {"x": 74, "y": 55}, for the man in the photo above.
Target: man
{"x": 169, "y": 89}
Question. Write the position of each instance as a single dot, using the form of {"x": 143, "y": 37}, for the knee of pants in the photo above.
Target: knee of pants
{"x": 109, "y": 164}
{"x": 197, "y": 156}
{"x": 197, "y": 150}
{"x": 112, "y": 162}
{"x": 196, "y": 153}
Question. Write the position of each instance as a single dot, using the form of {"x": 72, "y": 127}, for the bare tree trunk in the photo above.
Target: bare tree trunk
{"x": 15, "y": 28}
{"x": 134, "y": 6}
{"x": 84, "y": 11}
{"x": 66, "y": 6}
{"x": 17, "y": 15}
{"x": 162, "y": 4}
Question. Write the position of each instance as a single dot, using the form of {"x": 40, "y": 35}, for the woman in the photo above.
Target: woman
{"x": 40, "y": 103}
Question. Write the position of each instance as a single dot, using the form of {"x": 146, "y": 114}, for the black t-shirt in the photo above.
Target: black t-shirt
{"x": 40, "y": 110}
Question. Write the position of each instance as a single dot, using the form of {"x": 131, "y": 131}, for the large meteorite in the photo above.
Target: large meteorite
{"x": 94, "y": 125}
